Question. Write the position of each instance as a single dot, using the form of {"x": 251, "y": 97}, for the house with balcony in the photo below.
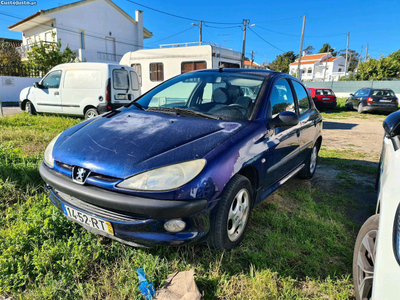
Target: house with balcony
{"x": 97, "y": 30}
{"x": 319, "y": 67}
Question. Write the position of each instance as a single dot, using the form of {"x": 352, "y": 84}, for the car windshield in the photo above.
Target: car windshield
{"x": 383, "y": 93}
{"x": 324, "y": 92}
{"x": 228, "y": 96}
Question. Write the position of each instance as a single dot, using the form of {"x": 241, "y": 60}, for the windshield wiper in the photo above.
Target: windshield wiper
{"x": 181, "y": 111}
{"x": 138, "y": 105}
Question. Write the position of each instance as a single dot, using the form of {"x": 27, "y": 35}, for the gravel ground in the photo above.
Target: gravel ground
{"x": 11, "y": 110}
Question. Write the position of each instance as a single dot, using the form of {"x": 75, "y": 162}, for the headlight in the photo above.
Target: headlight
{"x": 48, "y": 153}
{"x": 165, "y": 178}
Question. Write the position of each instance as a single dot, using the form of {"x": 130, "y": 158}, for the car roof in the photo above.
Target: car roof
{"x": 264, "y": 73}
{"x": 319, "y": 88}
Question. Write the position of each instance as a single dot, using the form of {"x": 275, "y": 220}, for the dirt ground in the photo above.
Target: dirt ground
{"x": 355, "y": 134}
{"x": 11, "y": 110}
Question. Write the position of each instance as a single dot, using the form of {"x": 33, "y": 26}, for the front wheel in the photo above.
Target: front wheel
{"x": 347, "y": 106}
{"x": 29, "y": 108}
{"x": 233, "y": 214}
{"x": 91, "y": 113}
{"x": 364, "y": 258}
{"x": 310, "y": 164}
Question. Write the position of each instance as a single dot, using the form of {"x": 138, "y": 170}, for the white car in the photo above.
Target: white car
{"x": 376, "y": 261}
{"x": 82, "y": 89}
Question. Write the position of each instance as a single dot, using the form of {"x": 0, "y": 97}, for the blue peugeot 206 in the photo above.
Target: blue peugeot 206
{"x": 187, "y": 161}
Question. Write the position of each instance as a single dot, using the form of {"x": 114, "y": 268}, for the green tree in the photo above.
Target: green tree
{"x": 327, "y": 48}
{"x": 48, "y": 55}
{"x": 396, "y": 55}
{"x": 282, "y": 62}
{"x": 378, "y": 69}
{"x": 309, "y": 50}
{"x": 353, "y": 58}
{"x": 9, "y": 55}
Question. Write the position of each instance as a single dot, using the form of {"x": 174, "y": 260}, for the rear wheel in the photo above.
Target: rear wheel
{"x": 360, "y": 109}
{"x": 364, "y": 258}
{"x": 310, "y": 164}
{"x": 91, "y": 113}
{"x": 232, "y": 215}
{"x": 29, "y": 108}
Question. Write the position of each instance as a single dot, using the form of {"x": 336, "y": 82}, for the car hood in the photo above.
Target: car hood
{"x": 133, "y": 141}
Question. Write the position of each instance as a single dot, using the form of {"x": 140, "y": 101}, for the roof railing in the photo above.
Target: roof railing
{"x": 189, "y": 44}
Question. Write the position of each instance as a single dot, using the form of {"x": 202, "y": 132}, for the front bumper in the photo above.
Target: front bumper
{"x": 136, "y": 221}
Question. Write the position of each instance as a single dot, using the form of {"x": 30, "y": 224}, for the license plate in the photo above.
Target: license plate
{"x": 121, "y": 97}
{"x": 325, "y": 98}
{"x": 382, "y": 100}
{"x": 86, "y": 219}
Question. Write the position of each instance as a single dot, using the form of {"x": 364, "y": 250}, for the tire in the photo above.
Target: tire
{"x": 91, "y": 113}
{"x": 360, "y": 109}
{"x": 236, "y": 203}
{"x": 310, "y": 164}
{"x": 362, "y": 280}
{"x": 29, "y": 108}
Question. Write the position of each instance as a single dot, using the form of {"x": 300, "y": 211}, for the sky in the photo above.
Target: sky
{"x": 276, "y": 25}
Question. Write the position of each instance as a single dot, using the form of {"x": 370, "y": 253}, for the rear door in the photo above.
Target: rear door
{"x": 283, "y": 145}
{"x": 307, "y": 123}
{"x": 135, "y": 84}
{"x": 355, "y": 100}
{"x": 48, "y": 97}
{"x": 120, "y": 86}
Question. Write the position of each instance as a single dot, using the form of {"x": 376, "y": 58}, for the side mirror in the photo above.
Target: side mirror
{"x": 392, "y": 124}
{"x": 285, "y": 118}
{"x": 352, "y": 94}
{"x": 37, "y": 85}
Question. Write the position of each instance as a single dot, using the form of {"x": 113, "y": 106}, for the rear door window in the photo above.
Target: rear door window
{"x": 134, "y": 81}
{"x": 302, "y": 97}
{"x": 120, "y": 80}
{"x": 281, "y": 98}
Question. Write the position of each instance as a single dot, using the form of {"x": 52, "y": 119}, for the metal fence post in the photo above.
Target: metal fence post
{"x": 1, "y": 108}
{"x": 372, "y": 83}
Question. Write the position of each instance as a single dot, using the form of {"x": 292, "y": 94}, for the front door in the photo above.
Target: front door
{"x": 48, "y": 95}
{"x": 284, "y": 142}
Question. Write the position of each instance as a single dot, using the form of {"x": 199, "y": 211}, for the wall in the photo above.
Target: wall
{"x": 10, "y": 87}
{"x": 344, "y": 88}
{"x": 98, "y": 19}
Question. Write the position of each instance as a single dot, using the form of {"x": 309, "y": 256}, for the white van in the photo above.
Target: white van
{"x": 157, "y": 65}
{"x": 82, "y": 89}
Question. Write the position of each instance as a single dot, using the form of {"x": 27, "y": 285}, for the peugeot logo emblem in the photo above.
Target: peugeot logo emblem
{"x": 79, "y": 174}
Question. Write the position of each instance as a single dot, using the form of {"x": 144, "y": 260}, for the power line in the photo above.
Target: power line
{"x": 265, "y": 40}
{"x": 280, "y": 20}
{"x": 219, "y": 27}
{"x": 177, "y": 16}
{"x": 192, "y": 27}
{"x": 295, "y": 35}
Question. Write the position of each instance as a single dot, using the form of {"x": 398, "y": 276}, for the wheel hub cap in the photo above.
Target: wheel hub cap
{"x": 365, "y": 264}
{"x": 238, "y": 215}
{"x": 313, "y": 160}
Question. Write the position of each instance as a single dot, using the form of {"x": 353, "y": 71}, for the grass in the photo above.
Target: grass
{"x": 298, "y": 245}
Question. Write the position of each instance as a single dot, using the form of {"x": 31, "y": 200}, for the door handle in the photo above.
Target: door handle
{"x": 56, "y": 93}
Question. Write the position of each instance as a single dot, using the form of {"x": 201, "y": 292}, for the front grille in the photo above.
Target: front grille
{"x": 99, "y": 211}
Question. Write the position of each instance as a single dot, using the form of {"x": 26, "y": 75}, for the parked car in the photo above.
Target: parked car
{"x": 369, "y": 99}
{"x": 188, "y": 160}
{"x": 323, "y": 97}
{"x": 82, "y": 89}
{"x": 376, "y": 261}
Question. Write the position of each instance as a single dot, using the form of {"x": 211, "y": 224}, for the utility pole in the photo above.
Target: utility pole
{"x": 244, "y": 41}
{"x": 347, "y": 53}
{"x": 1, "y": 108}
{"x": 252, "y": 57}
{"x": 301, "y": 47}
{"x": 201, "y": 32}
{"x": 326, "y": 62}
{"x": 366, "y": 53}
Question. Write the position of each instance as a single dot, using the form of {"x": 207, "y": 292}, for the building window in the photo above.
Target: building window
{"x": 82, "y": 41}
{"x": 156, "y": 72}
{"x": 138, "y": 68}
{"x": 340, "y": 69}
{"x": 309, "y": 71}
{"x": 192, "y": 66}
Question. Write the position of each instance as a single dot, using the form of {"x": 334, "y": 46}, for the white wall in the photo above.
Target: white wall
{"x": 98, "y": 19}
{"x": 10, "y": 87}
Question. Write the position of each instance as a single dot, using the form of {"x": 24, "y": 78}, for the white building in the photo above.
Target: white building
{"x": 97, "y": 30}
{"x": 319, "y": 67}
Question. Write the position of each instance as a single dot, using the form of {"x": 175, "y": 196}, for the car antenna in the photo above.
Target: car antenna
{"x": 221, "y": 67}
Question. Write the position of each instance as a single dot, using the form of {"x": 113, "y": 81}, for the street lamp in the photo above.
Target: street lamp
{"x": 200, "y": 25}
